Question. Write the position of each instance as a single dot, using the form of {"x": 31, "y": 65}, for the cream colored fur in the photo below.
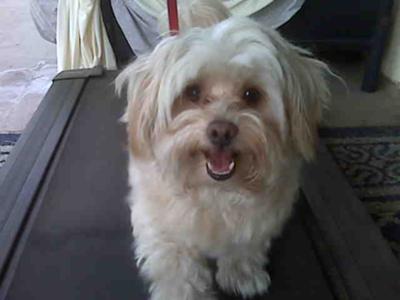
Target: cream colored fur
{"x": 181, "y": 216}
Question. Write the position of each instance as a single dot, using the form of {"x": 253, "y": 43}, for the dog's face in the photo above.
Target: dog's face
{"x": 222, "y": 128}
{"x": 224, "y": 106}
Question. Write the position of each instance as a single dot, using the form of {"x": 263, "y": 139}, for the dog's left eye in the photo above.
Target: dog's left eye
{"x": 193, "y": 92}
{"x": 251, "y": 95}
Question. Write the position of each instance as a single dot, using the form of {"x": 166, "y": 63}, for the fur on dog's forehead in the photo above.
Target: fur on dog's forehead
{"x": 235, "y": 41}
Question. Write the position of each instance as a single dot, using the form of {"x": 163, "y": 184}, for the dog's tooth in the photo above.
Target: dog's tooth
{"x": 230, "y": 168}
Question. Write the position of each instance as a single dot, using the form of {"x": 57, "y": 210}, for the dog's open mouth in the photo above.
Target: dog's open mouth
{"x": 220, "y": 164}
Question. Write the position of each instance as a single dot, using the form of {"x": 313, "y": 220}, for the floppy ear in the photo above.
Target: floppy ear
{"x": 141, "y": 111}
{"x": 306, "y": 94}
{"x": 151, "y": 83}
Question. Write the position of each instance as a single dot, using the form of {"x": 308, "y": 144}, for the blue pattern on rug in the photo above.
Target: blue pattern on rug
{"x": 373, "y": 164}
{"x": 7, "y": 142}
{"x": 370, "y": 160}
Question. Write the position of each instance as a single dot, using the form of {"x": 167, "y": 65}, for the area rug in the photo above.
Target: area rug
{"x": 370, "y": 160}
{"x": 7, "y": 142}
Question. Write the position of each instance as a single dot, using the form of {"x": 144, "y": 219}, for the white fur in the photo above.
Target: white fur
{"x": 180, "y": 216}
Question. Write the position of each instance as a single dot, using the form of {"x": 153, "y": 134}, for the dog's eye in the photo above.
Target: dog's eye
{"x": 251, "y": 95}
{"x": 193, "y": 92}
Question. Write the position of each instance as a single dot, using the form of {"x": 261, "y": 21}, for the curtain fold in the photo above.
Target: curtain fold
{"x": 82, "y": 40}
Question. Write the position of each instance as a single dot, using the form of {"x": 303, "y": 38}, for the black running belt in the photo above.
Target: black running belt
{"x": 65, "y": 226}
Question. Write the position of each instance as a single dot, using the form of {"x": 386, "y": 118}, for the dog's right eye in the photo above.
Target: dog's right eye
{"x": 193, "y": 92}
{"x": 251, "y": 95}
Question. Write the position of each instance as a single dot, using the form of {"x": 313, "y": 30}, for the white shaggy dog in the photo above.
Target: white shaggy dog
{"x": 219, "y": 120}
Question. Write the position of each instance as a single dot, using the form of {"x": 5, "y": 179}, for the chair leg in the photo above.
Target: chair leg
{"x": 122, "y": 51}
{"x": 377, "y": 47}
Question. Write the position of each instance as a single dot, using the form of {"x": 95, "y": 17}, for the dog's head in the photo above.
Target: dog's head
{"x": 224, "y": 105}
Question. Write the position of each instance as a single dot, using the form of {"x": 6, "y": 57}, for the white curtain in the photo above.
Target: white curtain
{"x": 82, "y": 40}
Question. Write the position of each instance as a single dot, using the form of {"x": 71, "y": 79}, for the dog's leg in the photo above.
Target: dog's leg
{"x": 242, "y": 272}
{"x": 175, "y": 272}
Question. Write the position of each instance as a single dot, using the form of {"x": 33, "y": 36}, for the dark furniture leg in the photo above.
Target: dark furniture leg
{"x": 122, "y": 50}
{"x": 377, "y": 46}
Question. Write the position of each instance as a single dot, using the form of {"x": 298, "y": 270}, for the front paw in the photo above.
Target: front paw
{"x": 242, "y": 278}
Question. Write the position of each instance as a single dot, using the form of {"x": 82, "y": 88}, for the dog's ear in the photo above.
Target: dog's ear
{"x": 306, "y": 94}
{"x": 141, "y": 111}
{"x": 152, "y": 82}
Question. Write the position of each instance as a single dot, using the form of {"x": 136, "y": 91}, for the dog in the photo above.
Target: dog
{"x": 219, "y": 119}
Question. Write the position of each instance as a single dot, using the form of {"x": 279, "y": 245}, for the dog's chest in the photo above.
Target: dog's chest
{"x": 215, "y": 228}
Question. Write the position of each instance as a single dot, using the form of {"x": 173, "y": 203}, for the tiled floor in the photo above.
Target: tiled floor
{"x": 27, "y": 64}
{"x": 21, "y": 46}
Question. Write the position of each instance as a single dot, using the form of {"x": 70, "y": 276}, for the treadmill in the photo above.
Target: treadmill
{"x": 65, "y": 227}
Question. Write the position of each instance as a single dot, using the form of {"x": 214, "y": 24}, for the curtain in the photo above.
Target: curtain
{"x": 82, "y": 40}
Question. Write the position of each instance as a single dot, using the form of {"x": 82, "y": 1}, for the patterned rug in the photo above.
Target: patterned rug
{"x": 370, "y": 159}
{"x": 7, "y": 142}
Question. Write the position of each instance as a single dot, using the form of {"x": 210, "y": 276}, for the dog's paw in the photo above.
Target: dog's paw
{"x": 243, "y": 279}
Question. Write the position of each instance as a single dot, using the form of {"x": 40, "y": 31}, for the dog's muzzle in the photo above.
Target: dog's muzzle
{"x": 221, "y": 160}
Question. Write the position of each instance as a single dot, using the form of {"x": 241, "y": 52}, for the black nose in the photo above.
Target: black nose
{"x": 221, "y": 132}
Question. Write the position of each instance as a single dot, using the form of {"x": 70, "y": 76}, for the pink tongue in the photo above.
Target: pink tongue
{"x": 220, "y": 161}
